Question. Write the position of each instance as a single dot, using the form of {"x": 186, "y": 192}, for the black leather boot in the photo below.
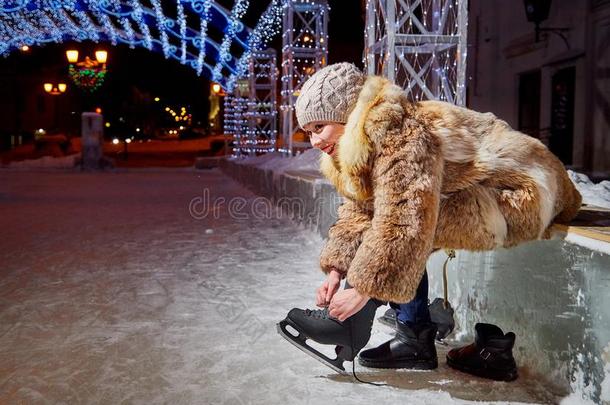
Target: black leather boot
{"x": 490, "y": 356}
{"x": 412, "y": 347}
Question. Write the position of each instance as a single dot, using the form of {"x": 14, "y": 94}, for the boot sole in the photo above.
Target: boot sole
{"x": 485, "y": 373}
{"x": 406, "y": 363}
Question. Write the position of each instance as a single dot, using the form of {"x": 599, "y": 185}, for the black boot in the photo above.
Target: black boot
{"x": 412, "y": 347}
{"x": 490, "y": 356}
{"x": 441, "y": 314}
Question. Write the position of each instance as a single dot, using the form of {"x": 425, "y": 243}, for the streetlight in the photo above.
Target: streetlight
{"x": 72, "y": 55}
{"x": 55, "y": 90}
{"x": 88, "y": 74}
{"x": 101, "y": 56}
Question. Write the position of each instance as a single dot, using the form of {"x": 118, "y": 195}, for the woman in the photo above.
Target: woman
{"x": 418, "y": 177}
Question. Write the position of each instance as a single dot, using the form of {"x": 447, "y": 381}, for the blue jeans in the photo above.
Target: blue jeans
{"x": 416, "y": 310}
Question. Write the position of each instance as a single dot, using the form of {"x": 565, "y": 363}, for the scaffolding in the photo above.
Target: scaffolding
{"x": 261, "y": 113}
{"x": 304, "y": 51}
{"x": 420, "y": 45}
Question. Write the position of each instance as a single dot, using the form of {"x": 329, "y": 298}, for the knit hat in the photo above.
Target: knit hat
{"x": 330, "y": 94}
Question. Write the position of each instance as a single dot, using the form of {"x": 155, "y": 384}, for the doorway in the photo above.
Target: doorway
{"x": 562, "y": 114}
{"x": 529, "y": 103}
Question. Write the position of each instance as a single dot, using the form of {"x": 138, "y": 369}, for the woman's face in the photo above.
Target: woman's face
{"x": 325, "y": 135}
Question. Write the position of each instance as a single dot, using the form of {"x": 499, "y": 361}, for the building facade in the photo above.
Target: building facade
{"x": 554, "y": 85}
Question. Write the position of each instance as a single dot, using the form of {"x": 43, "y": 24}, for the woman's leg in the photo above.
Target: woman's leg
{"x": 416, "y": 310}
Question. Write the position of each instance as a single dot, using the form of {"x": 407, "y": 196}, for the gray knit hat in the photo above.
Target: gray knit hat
{"x": 330, "y": 94}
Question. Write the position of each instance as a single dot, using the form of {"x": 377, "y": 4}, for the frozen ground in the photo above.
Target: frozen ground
{"x": 123, "y": 288}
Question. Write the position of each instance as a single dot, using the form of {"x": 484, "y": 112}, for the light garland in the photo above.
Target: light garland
{"x": 203, "y": 32}
{"x": 239, "y": 9}
{"x": 138, "y": 16}
{"x": 182, "y": 22}
{"x": 37, "y": 22}
{"x": 87, "y": 79}
{"x": 161, "y": 26}
{"x": 268, "y": 27}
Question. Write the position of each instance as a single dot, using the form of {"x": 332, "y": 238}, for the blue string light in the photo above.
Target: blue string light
{"x": 38, "y": 22}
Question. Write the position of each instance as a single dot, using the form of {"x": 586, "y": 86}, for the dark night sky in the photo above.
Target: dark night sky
{"x": 149, "y": 74}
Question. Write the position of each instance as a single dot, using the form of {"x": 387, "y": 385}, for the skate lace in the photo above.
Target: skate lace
{"x": 317, "y": 313}
{"x": 351, "y": 338}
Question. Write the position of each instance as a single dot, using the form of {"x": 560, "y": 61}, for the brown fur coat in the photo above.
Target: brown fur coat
{"x": 419, "y": 176}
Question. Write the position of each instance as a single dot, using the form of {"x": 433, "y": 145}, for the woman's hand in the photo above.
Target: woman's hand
{"x": 346, "y": 303}
{"x": 328, "y": 288}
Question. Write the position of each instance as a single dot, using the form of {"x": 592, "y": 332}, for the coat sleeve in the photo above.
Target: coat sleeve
{"x": 407, "y": 175}
{"x": 345, "y": 236}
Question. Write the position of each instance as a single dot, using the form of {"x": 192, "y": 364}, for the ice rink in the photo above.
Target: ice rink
{"x": 164, "y": 287}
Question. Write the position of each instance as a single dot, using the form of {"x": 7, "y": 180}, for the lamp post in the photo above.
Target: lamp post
{"x": 215, "y": 100}
{"x": 55, "y": 90}
{"x": 89, "y": 74}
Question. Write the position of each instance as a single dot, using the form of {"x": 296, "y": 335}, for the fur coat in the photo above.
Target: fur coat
{"x": 427, "y": 175}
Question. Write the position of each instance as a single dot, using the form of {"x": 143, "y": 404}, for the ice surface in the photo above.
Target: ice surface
{"x": 120, "y": 287}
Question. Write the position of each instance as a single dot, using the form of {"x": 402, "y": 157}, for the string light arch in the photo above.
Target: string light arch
{"x": 180, "y": 33}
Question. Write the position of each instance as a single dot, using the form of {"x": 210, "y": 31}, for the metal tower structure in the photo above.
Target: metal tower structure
{"x": 304, "y": 51}
{"x": 239, "y": 106}
{"x": 229, "y": 118}
{"x": 262, "y": 101}
{"x": 420, "y": 45}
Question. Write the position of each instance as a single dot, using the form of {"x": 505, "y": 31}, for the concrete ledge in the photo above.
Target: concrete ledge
{"x": 306, "y": 195}
{"x": 207, "y": 162}
{"x": 553, "y": 294}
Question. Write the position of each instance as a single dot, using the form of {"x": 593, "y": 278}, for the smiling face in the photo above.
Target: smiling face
{"x": 325, "y": 135}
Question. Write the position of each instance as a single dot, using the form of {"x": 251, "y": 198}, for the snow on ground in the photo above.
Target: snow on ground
{"x": 278, "y": 163}
{"x": 143, "y": 287}
{"x": 592, "y": 194}
{"x": 46, "y": 162}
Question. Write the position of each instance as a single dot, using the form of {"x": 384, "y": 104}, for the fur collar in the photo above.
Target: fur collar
{"x": 349, "y": 173}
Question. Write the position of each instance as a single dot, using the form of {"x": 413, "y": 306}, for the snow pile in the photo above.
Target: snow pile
{"x": 592, "y": 194}
{"x": 46, "y": 162}
{"x": 278, "y": 163}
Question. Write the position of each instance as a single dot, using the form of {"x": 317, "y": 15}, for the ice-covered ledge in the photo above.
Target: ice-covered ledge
{"x": 553, "y": 293}
{"x": 591, "y": 229}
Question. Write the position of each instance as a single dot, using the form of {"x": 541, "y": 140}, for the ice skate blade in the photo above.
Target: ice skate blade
{"x": 300, "y": 343}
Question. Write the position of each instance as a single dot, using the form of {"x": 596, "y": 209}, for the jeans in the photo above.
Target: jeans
{"x": 414, "y": 311}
